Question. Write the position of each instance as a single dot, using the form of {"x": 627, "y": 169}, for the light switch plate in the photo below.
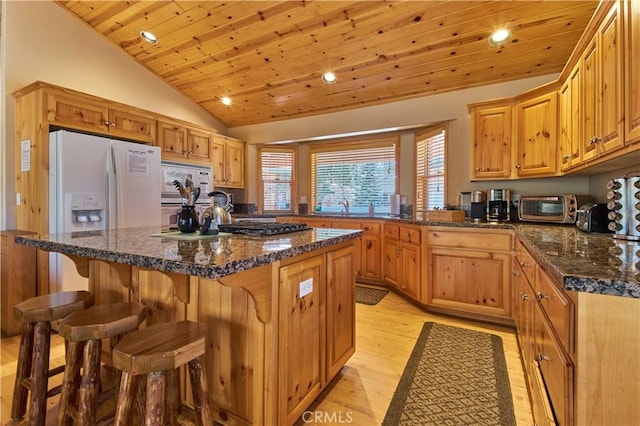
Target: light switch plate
{"x": 306, "y": 287}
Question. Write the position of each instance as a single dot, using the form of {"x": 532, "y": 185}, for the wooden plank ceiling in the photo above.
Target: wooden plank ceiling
{"x": 268, "y": 56}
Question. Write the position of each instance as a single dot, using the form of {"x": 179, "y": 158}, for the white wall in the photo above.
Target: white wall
{"x": 451, "y": 107}
{"x": 41, "y": 41}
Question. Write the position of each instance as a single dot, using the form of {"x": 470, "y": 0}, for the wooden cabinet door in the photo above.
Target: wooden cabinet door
{"x": 217, "y": 160}
{"x": 341, "y": 314}
{"x": 472, "y": 281}
{"x": 132, "y": 126}
{"x": 302, "y": 336}
{"x": 491, "y": 139}
{"x": 370, "y": 257}
{"x": 76, "y": 113}
{"x": 590, "y": 101}
{"x": 410, "y": 270}
{"x": 570, "y": 120}
{"x": 537, "y": 136}
{"x": 632, "y": 71}
{"x": 610, "y": 81}
{"x": 234, "y": 162}
{"x": 199, "y": 145}
{"x": 391, "y": 262}
{"x": 172, "y": 140}
{"x": 602, "y": 86}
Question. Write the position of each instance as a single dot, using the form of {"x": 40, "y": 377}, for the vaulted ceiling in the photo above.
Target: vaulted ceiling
{"x": 268, "y": 56}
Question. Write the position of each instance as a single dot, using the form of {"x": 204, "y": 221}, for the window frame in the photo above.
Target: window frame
{"x": 348, "y": 145}
{"x": 294, "y": 178}
{"x": 421, "y": 135}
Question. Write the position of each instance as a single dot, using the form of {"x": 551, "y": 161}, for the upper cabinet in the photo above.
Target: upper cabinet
{"x": 73, "y": 111}
{"x": 602, "y": 84}
{"x": 570, "y": 110}
{"x": 491, "y": 127}
{"x": 591, "y": 117}
{"x": 631, "y": 64}
{"x": 537, "y": 136}
{"x": 180, "y": 142}
{"x": 227, "y": 158}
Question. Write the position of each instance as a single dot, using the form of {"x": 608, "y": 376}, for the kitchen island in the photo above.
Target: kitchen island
{"x": 280, "y": 309}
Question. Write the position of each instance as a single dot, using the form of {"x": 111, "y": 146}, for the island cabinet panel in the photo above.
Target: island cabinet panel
{"x": 631, "y": 54}
{"x": 341, "y": 312}
{"x": 302, "y": 336}
{"x": 537, "y": 136}
{"x": 491, "y": 140}
{"x": 469, "y": 272}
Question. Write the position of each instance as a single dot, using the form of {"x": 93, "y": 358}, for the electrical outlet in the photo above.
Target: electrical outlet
{"x": 306, "y": 287}
{"x": 18, "y": 201}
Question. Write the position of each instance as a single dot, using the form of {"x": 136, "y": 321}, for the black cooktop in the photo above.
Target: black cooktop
{"x": 262, "y": 228}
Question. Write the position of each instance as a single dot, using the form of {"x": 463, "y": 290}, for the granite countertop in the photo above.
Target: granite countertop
{"x": 208, "y": 257}
{"x": 579, "y": 261}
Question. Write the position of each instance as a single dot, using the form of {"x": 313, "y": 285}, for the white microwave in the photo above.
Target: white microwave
{"x": 200, "y": 175}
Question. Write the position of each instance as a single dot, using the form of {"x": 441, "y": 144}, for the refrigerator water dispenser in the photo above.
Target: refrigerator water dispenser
{"x": 85, "y": 211}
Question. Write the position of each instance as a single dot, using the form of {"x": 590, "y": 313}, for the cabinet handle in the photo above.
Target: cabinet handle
{"x": 542, "y": 357}
{"x": 108, "y": 123}
{"x": 524, "y": 296}
{"x": 515, "y": 273}
{"x": 541, "y": 296}
{"x": 477, "y": 169}
{"x": 566, "y": 157}
{"x": 594, "y": 139}
{"x": 522, "y": 264}
{"x": 518, "y": 166}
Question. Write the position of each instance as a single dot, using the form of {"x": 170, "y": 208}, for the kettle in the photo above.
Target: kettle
{"x": 216, "y": 215}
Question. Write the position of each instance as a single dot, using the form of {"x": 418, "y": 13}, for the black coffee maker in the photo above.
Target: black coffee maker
{"x": 498, "y": 205}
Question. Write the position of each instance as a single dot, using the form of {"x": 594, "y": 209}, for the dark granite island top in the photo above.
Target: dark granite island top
{"x": 206, "y": 257}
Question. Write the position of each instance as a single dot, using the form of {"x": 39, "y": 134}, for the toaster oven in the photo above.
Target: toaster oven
{"x": 551, "y": 208}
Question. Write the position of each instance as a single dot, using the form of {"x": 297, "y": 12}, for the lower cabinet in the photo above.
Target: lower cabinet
{"x": 302, "y": 336}
{"x": 544, "y": 318}
{"x": 470, "y": 272}
{"x": 401, "y": 260}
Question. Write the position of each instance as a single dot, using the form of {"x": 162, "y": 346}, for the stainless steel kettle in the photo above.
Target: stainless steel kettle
{"x": 216, "y": 214}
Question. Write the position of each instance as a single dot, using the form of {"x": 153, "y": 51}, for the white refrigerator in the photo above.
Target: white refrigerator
{"x": 96, "y": 183}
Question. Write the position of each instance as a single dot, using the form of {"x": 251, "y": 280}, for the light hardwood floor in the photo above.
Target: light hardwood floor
{"x": 386, "y": 334}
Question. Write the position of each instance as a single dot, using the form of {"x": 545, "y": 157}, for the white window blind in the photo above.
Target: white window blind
{"x": 357, "y": 175}
{"x": 277, "y": 180}
{"x": 430, "y": 170}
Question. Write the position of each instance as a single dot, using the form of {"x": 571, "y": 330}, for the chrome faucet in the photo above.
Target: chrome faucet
{"x": 345, "y": 203}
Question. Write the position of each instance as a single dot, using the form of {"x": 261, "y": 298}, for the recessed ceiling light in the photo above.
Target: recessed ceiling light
{"x": 329, "y": 77}
{"x": 149, "y": 37}
{"x": 499, "y": 37}
{"x": 226, "y": 100}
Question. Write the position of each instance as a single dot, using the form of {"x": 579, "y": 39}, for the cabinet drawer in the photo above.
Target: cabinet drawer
{"x": 410, "y": 235}
{"x": 471, "y": 239}
{"x": 392, "y": 231}
{"x": 556, "y": 368}
{"x": 371, "y": 228}
{"x": 524, "y": 258}
{"x": 558, "y": 308}
{"x": 346, "y": 224}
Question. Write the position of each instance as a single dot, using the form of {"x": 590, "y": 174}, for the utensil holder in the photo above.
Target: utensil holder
{"x": 188, "y": 219}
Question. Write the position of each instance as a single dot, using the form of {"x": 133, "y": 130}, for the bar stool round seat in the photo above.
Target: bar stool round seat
{"x": 156, "y": 351}
{"x": 84, "y": 331}
{"x": 32, "y": 373}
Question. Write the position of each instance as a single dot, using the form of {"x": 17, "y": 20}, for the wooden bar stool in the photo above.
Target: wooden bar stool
{"x": 33, "y": 373}
{"x": 157, "y": 351}
{"x": 84, "y": 331}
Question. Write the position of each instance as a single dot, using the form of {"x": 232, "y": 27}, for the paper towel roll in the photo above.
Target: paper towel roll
{"x": 394, "y": 203}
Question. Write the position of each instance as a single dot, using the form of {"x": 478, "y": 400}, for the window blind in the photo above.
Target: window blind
{"x": 430, "y": 170}
{"x": 356, "y": 176}
{"x": 277, "y": 180}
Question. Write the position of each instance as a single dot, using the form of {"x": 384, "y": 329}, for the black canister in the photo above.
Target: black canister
{"x": 478, "y": 206}
{"x": 188, "y": 219}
